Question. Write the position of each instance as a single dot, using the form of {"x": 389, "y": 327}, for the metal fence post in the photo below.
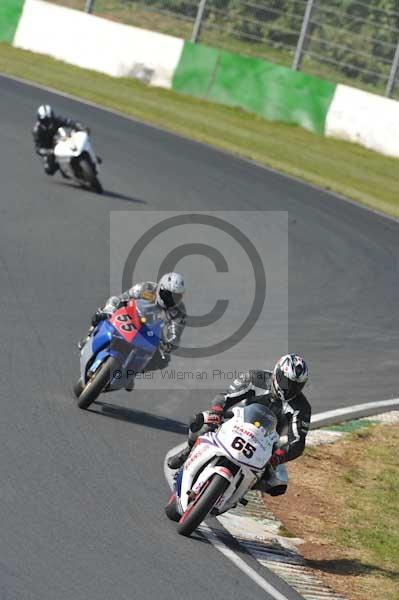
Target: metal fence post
{"x": 394, "y": 72}
{"x": 198, "y": 22}
{"x": 296, "y": 65}
{"x": 89, "y": 6}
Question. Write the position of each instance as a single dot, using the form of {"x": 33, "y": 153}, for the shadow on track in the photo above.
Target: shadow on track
{"x": 138, "y": 417}
{"x": 124, "y": 197}
{"x": 347, "y": 566}
{"x": 107, "y": 193}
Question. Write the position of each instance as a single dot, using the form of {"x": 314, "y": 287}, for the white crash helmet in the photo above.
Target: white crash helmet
{"x": 170, "y": 290}
{"x": 45, "y": 113}
{"x": 289, "y": 377}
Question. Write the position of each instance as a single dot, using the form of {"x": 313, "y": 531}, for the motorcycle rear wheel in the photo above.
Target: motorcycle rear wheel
{"x": 202, "y": 505}
{"x": 98, "y": 382}
{"x": 90, "y": 176}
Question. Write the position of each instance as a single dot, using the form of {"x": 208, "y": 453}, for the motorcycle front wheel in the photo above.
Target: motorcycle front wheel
{"x": 78, "y": 388}
{"x": 171, "y": 509}
{"x": 202, "y": 505}
{"x": 89, "y": 175}
{"x": 100, "y": 380}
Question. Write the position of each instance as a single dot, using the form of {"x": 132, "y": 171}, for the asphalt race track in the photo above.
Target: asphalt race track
{"x": 82, "y": 493}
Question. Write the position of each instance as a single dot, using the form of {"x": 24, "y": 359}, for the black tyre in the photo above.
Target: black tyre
{"x": 171, "y": 509}
{"x": 78, "y": 388}
{"x": 202, "y": 505}
{"x": 89, "y": 175}
{"x": 98, "y": 382}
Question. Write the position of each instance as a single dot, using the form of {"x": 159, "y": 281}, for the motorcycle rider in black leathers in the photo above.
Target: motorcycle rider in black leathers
{"x": 44, "y": 132}
{"x": 167, "y": 294}
{"x": 281, "y": 391}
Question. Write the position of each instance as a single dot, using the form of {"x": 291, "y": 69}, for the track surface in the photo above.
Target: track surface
{"x": 81, "y": 493}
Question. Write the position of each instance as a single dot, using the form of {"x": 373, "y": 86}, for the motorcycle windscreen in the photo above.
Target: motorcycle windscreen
{"x": 260, "y": 416}
{"x": 149, "y": 311}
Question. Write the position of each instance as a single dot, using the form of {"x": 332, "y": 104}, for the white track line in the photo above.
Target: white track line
{"x": 344, "y": 412}
{"x": 221, "y": 546}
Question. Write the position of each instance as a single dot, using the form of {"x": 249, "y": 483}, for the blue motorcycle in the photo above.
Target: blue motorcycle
{"x": 118, "y": 349}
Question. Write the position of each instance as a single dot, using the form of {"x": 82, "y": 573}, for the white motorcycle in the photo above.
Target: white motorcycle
{"x": 76, "y": 158}
{"x": 223, "y": 466}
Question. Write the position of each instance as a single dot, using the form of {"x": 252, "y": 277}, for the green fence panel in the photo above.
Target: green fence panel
{"x": 274, "y": 92}
{"x": 196, "y": 69}
{"x": 10, "y": 11}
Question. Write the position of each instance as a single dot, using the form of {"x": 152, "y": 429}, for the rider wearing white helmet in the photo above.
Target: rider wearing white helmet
{"x": 168, "y": 294}
{"x": 281, "y": 391}
{"x": 44, "y": 131}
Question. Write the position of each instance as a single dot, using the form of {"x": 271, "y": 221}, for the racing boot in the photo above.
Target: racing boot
{"x": 273, "y": 481}
{"x": 177, "y": 460}
{"x": 201, "y": 423}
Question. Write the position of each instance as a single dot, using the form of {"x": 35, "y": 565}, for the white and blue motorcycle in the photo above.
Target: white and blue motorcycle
{"x": 223, "y": 466}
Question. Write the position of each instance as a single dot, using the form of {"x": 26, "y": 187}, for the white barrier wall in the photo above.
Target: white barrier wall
{"x": 364, "y": 118}
{"x": 123, "y": 51}
{"x": 93, "y": 43}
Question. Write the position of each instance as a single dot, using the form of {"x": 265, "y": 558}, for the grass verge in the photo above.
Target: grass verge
{"x": 344, "y": 502}
{"x": 345, "y": 168}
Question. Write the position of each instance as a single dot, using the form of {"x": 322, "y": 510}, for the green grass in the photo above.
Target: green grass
{"x": 345, "y": 168}
{"x": 348, "y": 511}
{"x": 351, "y": 426}
{"x": 371, "y": 487}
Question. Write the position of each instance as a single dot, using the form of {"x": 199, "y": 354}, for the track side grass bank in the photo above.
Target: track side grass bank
{"x": 343, "y": 501}
{"x": 345, "y": 168}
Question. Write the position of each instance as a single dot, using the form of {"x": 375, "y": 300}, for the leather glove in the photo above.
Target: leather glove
{"x": 207, "y": 417}
{"x": 212, "y": 417}
{"x": 277, "y": 458}
{"x": 166, "y": 347}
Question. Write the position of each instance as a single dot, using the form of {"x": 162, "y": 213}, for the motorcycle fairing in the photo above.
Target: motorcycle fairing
{"x": 132, "y": 350}
{"x": 202, "y": 462}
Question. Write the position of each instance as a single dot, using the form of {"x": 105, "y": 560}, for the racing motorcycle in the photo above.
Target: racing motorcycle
{"x": 76, "y": 158}
{"x": 223, "y": 466}
{"x": 118, "y": 349}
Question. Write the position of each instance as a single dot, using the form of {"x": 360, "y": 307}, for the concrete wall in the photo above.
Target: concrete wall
{"x": 364, "y": 118}
{"x": 93, "y": 43}
{"x": 269, "y": 90}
